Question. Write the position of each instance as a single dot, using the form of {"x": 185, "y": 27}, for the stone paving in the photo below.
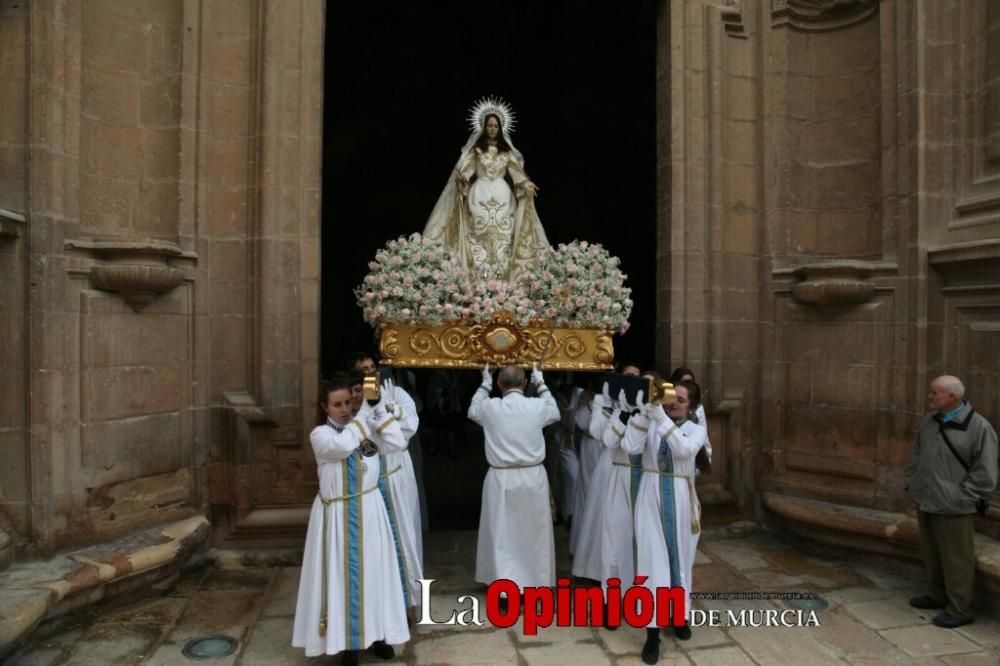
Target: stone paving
{"x": 868, "y": 620}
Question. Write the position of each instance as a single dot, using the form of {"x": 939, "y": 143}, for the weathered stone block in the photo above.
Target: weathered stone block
{"x": 227, "y": 161}
{"x": 228, "y": 338}
{"x": 121, "y": 392}
{"x": 160, "y": 102}
{"x": 228, "y": 260}
{"x": 157, "y": 214}
{"x": 115, "y": 451}
{"x": 110, "y": 96}
{"x": 111, "y": 150}
{"x": 227, "y": 212}
{"x": 228, "y": 59}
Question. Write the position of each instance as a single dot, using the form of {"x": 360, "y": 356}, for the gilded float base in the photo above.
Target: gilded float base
{"x": 499, "y": 342}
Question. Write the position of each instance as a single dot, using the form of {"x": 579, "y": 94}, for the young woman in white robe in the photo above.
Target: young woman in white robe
{"x": 403, "y": 496}
{"x": 351, "y": 589}
{"x": 667, "y": 512}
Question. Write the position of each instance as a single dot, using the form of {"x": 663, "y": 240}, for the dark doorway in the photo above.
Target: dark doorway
{"x": 400, "y": 78}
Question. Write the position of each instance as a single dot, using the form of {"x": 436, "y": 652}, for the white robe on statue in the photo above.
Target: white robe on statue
{"x": 405, "y": 496}
{"x": 667, "y": 513}
{"x": 494, "y": 229}
{"x": 350, "y": 540}
{"x": 515, "y": 525}
{"x": 607, "y": 549}
{"x": 588, "y": 451}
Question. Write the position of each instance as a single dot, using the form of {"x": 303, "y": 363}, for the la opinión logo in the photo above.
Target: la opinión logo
{"x": 638, "y": 606}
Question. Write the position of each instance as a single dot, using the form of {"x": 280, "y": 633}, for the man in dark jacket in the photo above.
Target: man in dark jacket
{"x": 952, "y": 472}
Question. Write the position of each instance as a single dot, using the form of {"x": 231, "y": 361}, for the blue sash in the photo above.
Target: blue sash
{"x": 354, "y": 560}
{"x": 383, "y": 487}
{"x": 668, "y": 509}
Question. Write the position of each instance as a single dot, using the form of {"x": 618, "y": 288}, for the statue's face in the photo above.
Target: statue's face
{"x": 492, "y": 128}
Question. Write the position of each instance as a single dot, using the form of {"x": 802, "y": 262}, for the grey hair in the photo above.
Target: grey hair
{"x": 952, "y": 384}
{"x": 511, "y": 377}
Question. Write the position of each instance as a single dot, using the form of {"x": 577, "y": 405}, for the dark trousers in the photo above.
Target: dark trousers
{"x": 949, "y": 556}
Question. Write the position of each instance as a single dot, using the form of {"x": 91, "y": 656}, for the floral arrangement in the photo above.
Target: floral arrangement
{"x": 412, "y": 279}
{"x": 583, "y": 287}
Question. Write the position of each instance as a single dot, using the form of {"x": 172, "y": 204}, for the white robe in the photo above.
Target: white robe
{"x": 515, "y": 524}
{"x": 588, "y": 453}
{"x": 607, "y": 549}
{"x": 569, "y": 462}
{"x": 666, "y": 554}
{"x": 406, "y": 498}
{"x": 364, "y": 587}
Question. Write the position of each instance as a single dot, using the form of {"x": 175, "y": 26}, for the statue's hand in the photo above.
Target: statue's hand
{"x": 531, "y": 189}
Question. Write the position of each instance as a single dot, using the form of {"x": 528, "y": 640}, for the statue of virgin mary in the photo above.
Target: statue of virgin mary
{"x": 487, "y": 209}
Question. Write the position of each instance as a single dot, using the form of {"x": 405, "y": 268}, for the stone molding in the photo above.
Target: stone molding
{"x": 821, "y": 15}
{"x": 139, "y": 271}
{"x": 967, "y": 266}
{"x": 834, "y": 283}
{"x": 10, "y": 224}
{"x": 880, "y": 531}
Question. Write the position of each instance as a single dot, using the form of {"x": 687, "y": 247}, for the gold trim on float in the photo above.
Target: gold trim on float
{"x": 500, "y": 341}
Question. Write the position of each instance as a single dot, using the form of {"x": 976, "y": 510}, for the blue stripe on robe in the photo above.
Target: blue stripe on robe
{"x": 668, "y": 510}
{"x": 352, "y": 525}
{"x": 383, "y": 487}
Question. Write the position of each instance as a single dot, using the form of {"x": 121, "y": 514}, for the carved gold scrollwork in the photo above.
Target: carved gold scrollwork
{"x": 500, "y": 341}
{"x": 605, "y": 350}
{"x": 389, "y": 343}
{"x": 454, "y": 342}
{"x": 573, "y": 346}
{"x": 422, "y": 341}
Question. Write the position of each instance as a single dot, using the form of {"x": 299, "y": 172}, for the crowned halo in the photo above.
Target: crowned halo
{"x": 488, "y": 105}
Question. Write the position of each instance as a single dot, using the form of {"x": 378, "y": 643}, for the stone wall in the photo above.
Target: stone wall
{"x": 835, "y": 236}
{"x": 829, "y": 197}
{"x": 164, "y": 279}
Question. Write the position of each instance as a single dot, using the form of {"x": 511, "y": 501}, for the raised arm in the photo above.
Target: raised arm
{"x": 600, "y": 414}
{"x": 683, "y": 443}
{"x": 551, "y": 412}
{"x": 614, "y": 431}
{"x": 636, "y": 433}
{"x": 481, "y": 398}
{"x": 329, "y": 445}
{"x": 384, "y": 429}
{"x": 405, "y": 412}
